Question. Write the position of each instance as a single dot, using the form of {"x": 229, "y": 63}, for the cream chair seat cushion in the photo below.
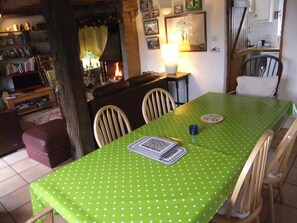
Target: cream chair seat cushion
{"x": 236, "y": 210}
{"x": 272, "y": 174}
{"x": 256, "y": 86}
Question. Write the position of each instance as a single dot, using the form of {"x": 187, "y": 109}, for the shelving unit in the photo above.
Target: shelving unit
{"x": 31, "y": 101}
{"x": 18, "y": 46}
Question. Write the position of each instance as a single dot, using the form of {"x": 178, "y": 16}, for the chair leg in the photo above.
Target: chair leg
{"x": 280, "y": 190}
{"x": 271, "y": 201}
{"x": 257, "y": 219}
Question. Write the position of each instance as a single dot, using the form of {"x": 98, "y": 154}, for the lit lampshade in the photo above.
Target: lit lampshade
{"x": 89, "y": 55}
{"x": 170, "y": 52}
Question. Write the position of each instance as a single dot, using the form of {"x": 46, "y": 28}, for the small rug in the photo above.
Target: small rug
{"x": 40, "y": 117}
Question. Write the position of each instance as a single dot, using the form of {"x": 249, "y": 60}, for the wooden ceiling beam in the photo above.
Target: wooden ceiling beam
{"x": 32, "y": 7}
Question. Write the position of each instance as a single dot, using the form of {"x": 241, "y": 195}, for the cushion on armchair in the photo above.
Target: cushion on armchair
{"x": 257, "y": 86}
{"x": 110, "y": 89}
{"x": 141, "y": 79}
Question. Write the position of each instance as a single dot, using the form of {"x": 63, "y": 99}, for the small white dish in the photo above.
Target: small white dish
{"x": 212, "y": 118}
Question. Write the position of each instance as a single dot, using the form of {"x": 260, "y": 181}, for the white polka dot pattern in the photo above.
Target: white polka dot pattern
{"x": 113, "y": 184}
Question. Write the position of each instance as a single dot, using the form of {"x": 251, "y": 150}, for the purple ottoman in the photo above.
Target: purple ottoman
{"x": 48, "y": 143}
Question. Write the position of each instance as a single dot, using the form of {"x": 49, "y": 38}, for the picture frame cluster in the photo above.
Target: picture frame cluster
{"x": 150, "y": 18}
{"x": 150, "y": 14}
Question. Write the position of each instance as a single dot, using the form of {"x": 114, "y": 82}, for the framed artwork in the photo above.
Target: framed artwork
{"x": 146, "y": 15}
{"x": 178, "y": 9}
{"x": 193, "y": 5}
{"x": 145, "y": 5}
{"x": 153, "y": 43}
{"x": 188, "y": 31}
{"x": 155, "y": 13}
{"x": 151, "y": 27}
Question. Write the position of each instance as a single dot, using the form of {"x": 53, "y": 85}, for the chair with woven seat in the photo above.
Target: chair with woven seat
{"x": 260, "y": 76}
{"x": 110, "y": 123}
{"x": 245, "y": 202}
{"x": 156, "y": 103}
{"x": 276, "y": 168}
{"x": 42, "y": 214}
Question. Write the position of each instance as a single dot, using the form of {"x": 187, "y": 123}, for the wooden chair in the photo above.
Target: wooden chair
{"x": 156, "y": 103}
{"x": 263, "y": 66}
{"x": 245, "y": 202}
{"x": 276, "y": 168}
{"x": 46, "y": 211}
{"x": 110, "y": 123}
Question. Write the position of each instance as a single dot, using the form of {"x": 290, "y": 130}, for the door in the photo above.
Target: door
{"x": 237, "y": 40}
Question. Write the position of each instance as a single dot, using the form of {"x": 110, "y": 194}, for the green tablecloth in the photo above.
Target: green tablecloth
{"x": 113, "y": 184}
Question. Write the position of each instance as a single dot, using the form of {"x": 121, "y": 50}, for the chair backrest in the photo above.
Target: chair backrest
{"x": 263, "y": 66}
{"x": 42, "y": 214}
{"x": 110, "y": 123}
{"x": 278, "y": 164}
{"x": 156, "y": 103}
{"x": 246, "y": 197}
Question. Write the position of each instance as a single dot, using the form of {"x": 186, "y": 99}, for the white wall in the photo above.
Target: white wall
{"x": 288, "y": 84}
{"x": 207, "y": 69}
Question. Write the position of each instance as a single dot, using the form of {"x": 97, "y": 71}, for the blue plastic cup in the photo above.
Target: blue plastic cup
{"x": 193, "y": 129}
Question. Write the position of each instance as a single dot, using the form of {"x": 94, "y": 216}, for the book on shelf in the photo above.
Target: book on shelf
{"x": 160, "y": 149}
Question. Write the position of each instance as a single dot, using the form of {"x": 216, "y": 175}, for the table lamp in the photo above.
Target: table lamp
{"x": 89, "y": 55}
{"x": 170, "y": 52}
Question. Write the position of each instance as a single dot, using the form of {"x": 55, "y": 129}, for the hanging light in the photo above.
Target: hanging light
{"x": 165, "y": 6}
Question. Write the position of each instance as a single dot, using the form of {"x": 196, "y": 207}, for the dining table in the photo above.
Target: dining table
{"x": 114, "y": 184}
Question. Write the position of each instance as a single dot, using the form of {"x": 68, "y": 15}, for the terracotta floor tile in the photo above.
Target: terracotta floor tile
{"x": 290, "y": 195}
{"x": 22, "y": 213}
{"x": 6, "y": 173}
{"x": 2, "y": 211}
{"x": 15, "y": 157}
{"x": 285, "y": 214}
{"x": 292, "y": 177}
{"x": 16, "y": 199}
{"x": 35, "y": 172}
{"x": 295, "y": 162}
{"x": 24, "y": 164}
{"x": 265, "y": 205}
{"x": 11, "y": 184}
{"x": 3, "y": 164}
{"x": 291, "y": 159}
{"x": 6, "y": 219}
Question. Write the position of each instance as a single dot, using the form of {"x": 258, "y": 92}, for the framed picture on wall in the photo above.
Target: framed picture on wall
{"x": 193, "y": 5}
{"x": 178, "y": 9}
{"x": 153, "y": 43}
{"x": 146, "y": 15}
{"x": 145, "y": 5}
{"x": 188, "y": 31}
{"x": 151, "y": 27}
{"x": 155, "y": 13}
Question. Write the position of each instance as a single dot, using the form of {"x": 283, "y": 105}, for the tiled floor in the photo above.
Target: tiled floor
{"x": 17, "y": 171}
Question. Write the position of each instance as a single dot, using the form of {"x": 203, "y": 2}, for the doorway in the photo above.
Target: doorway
{"x": 239, "y": 45}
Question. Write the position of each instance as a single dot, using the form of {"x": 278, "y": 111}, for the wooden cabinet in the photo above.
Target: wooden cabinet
{"x": 16, "y": 47}
{"x": 264, "y": 10}
{"x": 31, "y": 101}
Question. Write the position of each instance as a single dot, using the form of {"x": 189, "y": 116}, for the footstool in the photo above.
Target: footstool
{"x": 48, "y": 143}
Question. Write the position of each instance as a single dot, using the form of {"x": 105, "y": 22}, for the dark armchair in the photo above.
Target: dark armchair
{"x": 10, "y": 132}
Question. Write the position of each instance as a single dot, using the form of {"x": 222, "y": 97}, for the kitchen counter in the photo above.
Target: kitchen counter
{"x": 271, "y": 49}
